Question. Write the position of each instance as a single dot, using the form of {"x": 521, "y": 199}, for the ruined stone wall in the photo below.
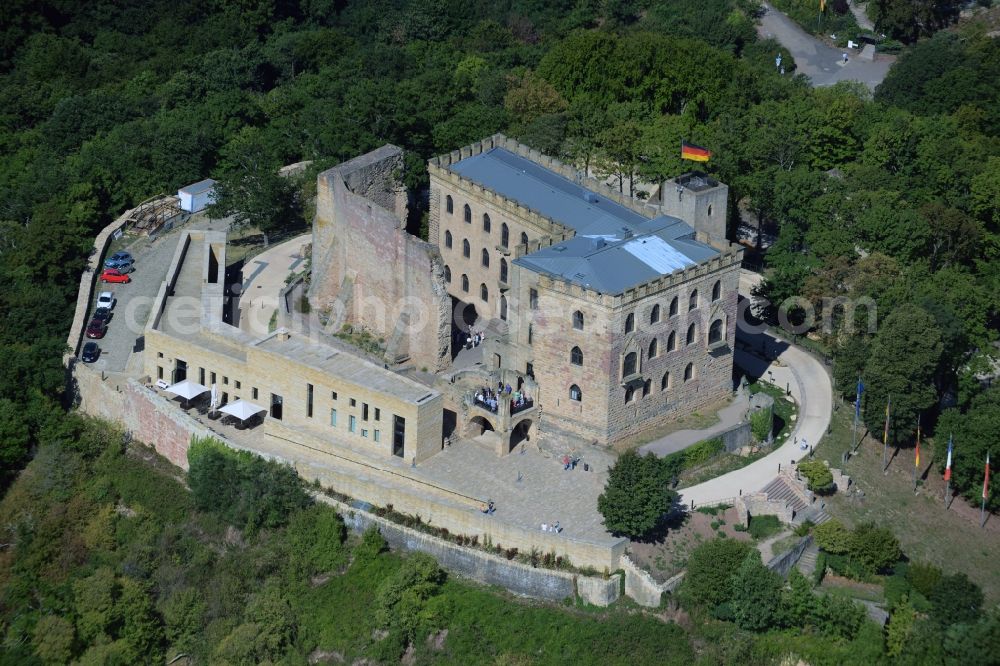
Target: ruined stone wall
{"x": 369, "y": 270}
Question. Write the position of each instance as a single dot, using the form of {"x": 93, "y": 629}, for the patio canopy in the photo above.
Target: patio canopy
{"x": 187, "y": 389}
{"x": 242, "y": 409}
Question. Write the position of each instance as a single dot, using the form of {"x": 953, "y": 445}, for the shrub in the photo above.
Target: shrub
{"x": 636, "y": 495}
{"x": 874, "y": 547}
{"x": 818, "y": 476}
{"x": 756, "y": 594}
{"x": 761, "y": 527}
{"x": 400, "y": 599}
{"x": 833, "y": 537}
{"x": 315, "y": 540}
{"x": 923, "y": 577}
{"x": 956, "y": 600}
{"x": 371, "y": 546}
{"x": 820, "y": 569}
{"x": 761, "y": 424}
{"x": 710, "y": 570}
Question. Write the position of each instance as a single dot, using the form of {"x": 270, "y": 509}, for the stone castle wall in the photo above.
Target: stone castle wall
{"x": 369, "y": 270}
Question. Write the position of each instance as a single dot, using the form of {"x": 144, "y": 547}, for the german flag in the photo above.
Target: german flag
{"x": 689, "y": 151}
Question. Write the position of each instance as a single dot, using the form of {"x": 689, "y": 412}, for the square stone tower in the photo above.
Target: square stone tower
{"x": 702, "y": 202}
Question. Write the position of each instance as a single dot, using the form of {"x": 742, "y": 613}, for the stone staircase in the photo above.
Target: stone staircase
{"x": 785, "y": 488}
{"x": 807, "y": 563}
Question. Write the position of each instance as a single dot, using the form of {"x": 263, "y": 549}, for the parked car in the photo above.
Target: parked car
{"x": 106, "y": 299}
{"x": 114, "y": 275}
{"x": 119, "y": 260}
{"x": 103, "y": 314}
{"x": 97, "y": 328}
{"x": 91, "y": 352}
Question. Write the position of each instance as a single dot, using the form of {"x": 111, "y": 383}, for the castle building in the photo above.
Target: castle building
{"x": 621, "y": 313}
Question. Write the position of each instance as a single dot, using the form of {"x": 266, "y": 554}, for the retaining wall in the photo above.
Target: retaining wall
{"x": 783, "y": 563}
{"x": 479, "y": 565}
{"x": 641, "y": 587}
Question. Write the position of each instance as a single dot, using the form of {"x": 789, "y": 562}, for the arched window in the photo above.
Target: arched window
{"x": 467, "y": 214}
{"x": 447, "y": 239}
{"x": 486, "y": 258}
{"x": 717, "y": 290}
{"x": 630, "y": 322}
{"x": 628, "y": 367}
{"x": 503, "y": 308}
{"x": 504, "y": 235}
{"x": 673, "y": 307}
{"x": 503, "y": 270}
{"x": 689, "y": 372}
{"x": 715, "y": 332}
{"x": 646, "y": 386}
{"x": 693, "y": 300}
{"x": 486, "y": 222}
{"x": 465, "y": 282}
{"x": 710, "y": 210}
{"x": 654, "y": 314}
{"x": 692, "y": 332}
{"x": 578, "y": 320}
{"x": 629, "y": 395}
{"x": 652, "y": 349}
{"x": 449, "y": 204}
{"x": 665, "y": 381}
{"x": 671, "y": 341}
{"x": 484, "y": 293}
{"x": 574, "y": 393}
{"x": 466, "y": 248}
{"x": 447, "y": 274}
{"x": 576, "y": 356}
{"x": 524, "y": 238}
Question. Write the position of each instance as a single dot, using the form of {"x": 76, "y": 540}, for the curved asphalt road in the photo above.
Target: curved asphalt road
{"x": 823, "y": 64}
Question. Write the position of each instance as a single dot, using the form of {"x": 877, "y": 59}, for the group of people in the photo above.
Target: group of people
{"x": 488, "y": 508}
{"x": 474, "y": 339}
{"x": 490, "y": 398}
{"x": 554, "y": 527}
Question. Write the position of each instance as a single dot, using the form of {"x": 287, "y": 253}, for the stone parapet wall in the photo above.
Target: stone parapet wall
{"x": 783, "y": 563}
{"x": 757, "y": 504}
{"x": 641, "y": 588}
{"x": 484, "y": 567}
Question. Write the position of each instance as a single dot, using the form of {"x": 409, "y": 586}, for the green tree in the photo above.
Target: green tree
{"x": 141, "y": 629}
{"x": 316, "y": 540}
{"x": 875, "y": 547}
{"x": 903, "y": 363}
{"x": 956, "y": 600}
{"x": 710, "y": 571}
{"x": 756, "y": 594}
{"x": 833, "y": 537}
{"x": 53, "y": 639}
{"x": 401, "y": 598}
{"x": 95, "y": 600}
{"x": 636, "y": 495}
{"x": 900, "y": 627}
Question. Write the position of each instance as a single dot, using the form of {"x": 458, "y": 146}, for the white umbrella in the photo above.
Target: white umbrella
{"x": 215, "y": 398}
{"x": 242, "y": 409}
{"x": 187, "y": 389}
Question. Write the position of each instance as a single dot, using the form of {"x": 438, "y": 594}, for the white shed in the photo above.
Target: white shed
{"x": 195, "y": 197}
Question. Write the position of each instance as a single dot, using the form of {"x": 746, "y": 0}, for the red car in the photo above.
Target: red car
{"x": 114, "y": 275}
{"x": 97, "y": 328}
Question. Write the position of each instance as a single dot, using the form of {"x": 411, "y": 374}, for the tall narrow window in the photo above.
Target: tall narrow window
{"x": 503, "y": 308}
{"x": 671, "y": 341}
{"x": 467, "y": 214}
{"x": 486, "y": 222}
{"x": 673, "y": 306}
{"x": 364, "y": 411}
{"x": 485, "y": 258}
{"x": 628, "y": 367}
{"x": 646, "y": 386}
{"x": 692, "y": 333}
{"x": 578, "y": 320}
{"x": 653, "y": 349}
{"x": 448, "y": 239}
{"x": 309, "y": 400}
{"x": 466, "y": 248}
{"x": 629, "y": 395}
{"x": 333, "y": 417}
{"x": 533, "y": 299}
{"x": 665, "y": 381}
{"x": 484, "y": 293}
{"x": 715, "y": 332}
{"x": 398, "y": 435}
{"x": 503, "y": 270}
{"x": 574, "y": 393}
{"x": 447, "y": 274}
{"x": 531, "y": 333}
{"x": 693, "y": 300}
{"x": 689, "y": 372}
{"x": 630, "y": 322}
{"x": 504, "y": 235}
{"x": 524, "y": 238}
{"x": 352, "y": 423}
{"x": 465, "y": 282}
{"x": 449, "y": 204}
{"x": 576, "y": 356}
{"x": 717, "y": 290}
{"x": 654, "y": 314}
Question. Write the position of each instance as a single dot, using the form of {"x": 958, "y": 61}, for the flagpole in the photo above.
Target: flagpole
{"x": 916, "y": 456}
{"x": 857, "y": 406}
{"x": 885, "y": 438}
{"x": 947, "y": 473}
{"x": 986, "y": 486}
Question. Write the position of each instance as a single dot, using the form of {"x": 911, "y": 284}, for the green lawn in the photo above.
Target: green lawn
{"x": 950, "y": 539}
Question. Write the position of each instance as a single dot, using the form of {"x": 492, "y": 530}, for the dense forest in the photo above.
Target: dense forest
{"x": 890, "y": 200}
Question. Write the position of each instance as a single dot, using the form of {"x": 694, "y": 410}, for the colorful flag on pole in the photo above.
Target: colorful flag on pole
{"x": 857, "y": 401}
{"x": 822, "y": 5}
{"x": 885, "y": 434}
{"x": 986, "y": 481}
{"x": 689, "y": 151}
{"x": 916, "y": 459}
{"x": 947, "y": 464}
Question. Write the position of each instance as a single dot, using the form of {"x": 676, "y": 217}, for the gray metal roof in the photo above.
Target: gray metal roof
{"x": 197, "y": 188}
{"x": 613, "y": 264}
{"x": 547, "y": 192}
{"x": 614, "y": 249}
